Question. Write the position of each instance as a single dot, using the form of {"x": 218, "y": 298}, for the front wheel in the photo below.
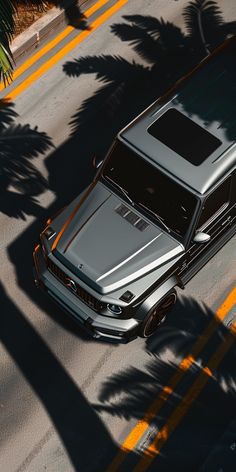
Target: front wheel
{"x": 157, "y": 315}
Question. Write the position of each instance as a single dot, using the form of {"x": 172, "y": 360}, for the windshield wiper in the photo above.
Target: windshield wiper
{"x": 121, "y": 189}
{"x": 158, "y": 217}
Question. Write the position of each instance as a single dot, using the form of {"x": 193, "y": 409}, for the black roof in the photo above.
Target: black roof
{"x": 184, "y": 136}
{"x": 192, "y": 132}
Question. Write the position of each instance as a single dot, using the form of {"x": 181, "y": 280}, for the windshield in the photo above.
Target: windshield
{"x": 150, "y": 189}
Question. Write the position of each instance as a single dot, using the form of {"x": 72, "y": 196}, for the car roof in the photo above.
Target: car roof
{"x": 191, "y": 131}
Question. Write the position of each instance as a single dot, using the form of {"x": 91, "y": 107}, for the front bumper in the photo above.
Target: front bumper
{"x": 98, "y": 326}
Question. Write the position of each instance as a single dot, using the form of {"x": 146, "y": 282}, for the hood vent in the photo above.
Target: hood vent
{"x": 131, "y": 217}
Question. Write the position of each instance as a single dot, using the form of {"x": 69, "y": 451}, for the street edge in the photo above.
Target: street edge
{"x": 43, "y": 28}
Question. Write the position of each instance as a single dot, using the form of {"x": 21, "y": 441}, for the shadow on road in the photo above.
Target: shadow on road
{"x": 130, "y": 393}
{"x": 127, "y": 89}
{"x": 78, "y": 426}
{"x": 20, "y": 181}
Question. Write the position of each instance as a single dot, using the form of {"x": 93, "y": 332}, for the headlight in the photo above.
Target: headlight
{"x": 115, "y": 309}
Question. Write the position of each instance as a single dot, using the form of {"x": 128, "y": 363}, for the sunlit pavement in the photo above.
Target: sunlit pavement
{"x": 67, "y": 402}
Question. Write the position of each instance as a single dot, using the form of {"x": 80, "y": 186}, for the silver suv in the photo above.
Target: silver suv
{"x": 161, "y": 205}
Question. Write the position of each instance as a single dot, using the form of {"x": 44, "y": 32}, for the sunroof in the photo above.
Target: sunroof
{"x": 183, "y": 136}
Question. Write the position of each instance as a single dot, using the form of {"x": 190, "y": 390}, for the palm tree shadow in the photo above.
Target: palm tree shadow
{"x": 130, "y": 87}
{"x": 20, "y": 181}
{"x": 129, "y": 394}
{"x": 127, "y": 89}
{"x": 79, "y": 427}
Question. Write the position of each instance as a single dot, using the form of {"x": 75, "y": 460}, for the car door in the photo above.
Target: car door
{"x": 218, "y": 213}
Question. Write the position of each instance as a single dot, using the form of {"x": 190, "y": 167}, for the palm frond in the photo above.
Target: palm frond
{"x": 203, "y": 20}
{"x": 118, "y": 76}
{"x": 143, "y": 43}
{"x": 8, "y": 10}
{"x": 148, "y": 23}
{"x": 7, "y": 23}
{"x": 22, "y": 142}
{"x": 123, "y": 381}
{"x": 7, "y": 114}
{"x": 19, "y": 145}
{"x": 107, "y": 68}
{"x": 6, "y": 65}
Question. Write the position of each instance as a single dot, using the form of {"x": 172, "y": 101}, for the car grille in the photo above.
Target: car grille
{"x": 84, "y": 296}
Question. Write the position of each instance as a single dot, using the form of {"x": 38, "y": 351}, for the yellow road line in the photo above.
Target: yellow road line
{"x": 142, "y": 425}
{"x": 65, "y": 50}
{"x": 163, "y": 435}
{"x": 54, "y": 42}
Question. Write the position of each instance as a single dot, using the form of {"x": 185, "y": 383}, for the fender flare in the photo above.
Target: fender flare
{"x": 155, "y": 297}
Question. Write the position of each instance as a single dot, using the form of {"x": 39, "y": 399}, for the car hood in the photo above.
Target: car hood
{"x": 106, "y": 248}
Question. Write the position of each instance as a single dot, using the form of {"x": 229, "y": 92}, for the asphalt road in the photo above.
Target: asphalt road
{"x": 68, "y": 402}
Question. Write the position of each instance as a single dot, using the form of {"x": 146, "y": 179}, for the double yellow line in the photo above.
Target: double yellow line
{"x": 162, "y": 436}
{"x": 64, "y": 50}
{"x": 141, "y": 427}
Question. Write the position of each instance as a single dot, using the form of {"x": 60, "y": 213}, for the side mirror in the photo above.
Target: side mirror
{"x": 201, "y": 237}
{"x": 97, "y": 161}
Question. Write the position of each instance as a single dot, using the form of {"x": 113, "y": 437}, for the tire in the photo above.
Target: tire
{"x": 157, "y": 315}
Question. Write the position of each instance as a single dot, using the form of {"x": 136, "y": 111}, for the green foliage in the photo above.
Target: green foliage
{"x": 7, "y": 25}
{"x": 7, "y": 10}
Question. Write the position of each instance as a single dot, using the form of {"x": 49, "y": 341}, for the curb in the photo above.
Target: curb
{"x": 42, "y": 29}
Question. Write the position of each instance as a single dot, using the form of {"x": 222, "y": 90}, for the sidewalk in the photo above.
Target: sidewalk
{"x": 55, "y": 19}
